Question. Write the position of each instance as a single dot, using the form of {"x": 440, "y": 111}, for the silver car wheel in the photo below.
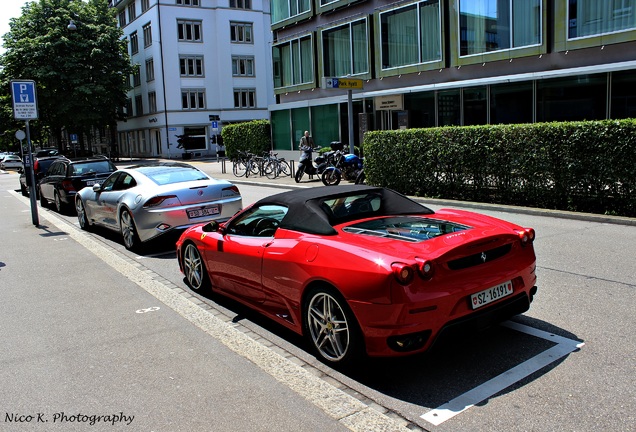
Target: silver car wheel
{"x": 193, "y": 268}
{"x": 328, "y": 326}
{"x": 128, "y": 232}
{"x": 81, "y": 215}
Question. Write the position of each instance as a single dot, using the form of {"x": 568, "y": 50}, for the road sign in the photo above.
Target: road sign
{"x": 73, "y": 138}
{"x": 25, "y": 105}
{"x": 215, "y": 125}
{"x": 343, "y": 83}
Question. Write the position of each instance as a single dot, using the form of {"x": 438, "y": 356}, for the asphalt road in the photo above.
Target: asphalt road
{"x": 568, "y": 364}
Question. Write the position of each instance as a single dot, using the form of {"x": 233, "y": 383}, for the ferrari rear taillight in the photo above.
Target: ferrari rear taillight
{"x": 526, "y": 236}
{"x": 67, "y": 185}
{"x": 425, "y": 268}
{"x": 158, "y": 200}
{"x": 403, "y": 273}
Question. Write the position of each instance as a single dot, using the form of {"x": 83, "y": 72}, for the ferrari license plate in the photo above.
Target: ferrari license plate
{"x": 201, "y": 212}
{"x": 482, "y": 298}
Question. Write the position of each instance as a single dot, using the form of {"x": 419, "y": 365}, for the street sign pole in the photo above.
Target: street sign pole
{"x": 32, "y": 191}
{"x": 349, "y": 84}
{"x": 25, "y": 108}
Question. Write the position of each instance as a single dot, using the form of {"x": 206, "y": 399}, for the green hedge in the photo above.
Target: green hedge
{"x": 253, "y": 137}
{"x": 576, "y": 166}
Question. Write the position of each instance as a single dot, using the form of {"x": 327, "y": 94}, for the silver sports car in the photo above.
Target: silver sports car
{"x": 143, "y": 202}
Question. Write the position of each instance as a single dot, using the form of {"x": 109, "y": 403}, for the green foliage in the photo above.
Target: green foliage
{"x": 577, "y": 166}
{"x": 81, "y": 76}
{"x": 253, "y": 137}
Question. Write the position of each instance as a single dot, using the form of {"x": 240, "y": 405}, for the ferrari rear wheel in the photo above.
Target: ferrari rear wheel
{"x": 194, "y": 270}
{"x": 331, "y": 327}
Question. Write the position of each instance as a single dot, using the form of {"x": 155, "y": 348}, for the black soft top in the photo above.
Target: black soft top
{"x": 308, "y": 213}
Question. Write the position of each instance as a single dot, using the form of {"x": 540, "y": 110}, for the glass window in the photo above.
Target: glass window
{"x": 258, "y": 221}
{"x": 147, "y": 35}
{"x": 411, "y": 35}
{"x": 494, "y": 25}
{"x": 241, "y": 4}
{"x": 577, "y": 98}
{"x": 132, "y": 12}
{"x": 475, "y": 106}
{"x": 243, "y": 66}
{"x": 448, "y": 108}
{"x": 241, "y": 32}
{"x": 244, "y": 98}
{"x": 511, "y": 103}
{"x": 191, "y": 65}
{"x": 594, "y": 17}
{"x": 145, "y": 5}
{"x": 136, "y": 77}
{"x": 134, "y": 43}
{"x": 152, "y": 102}
{"x": 139, "y": 105}
{"x": 421, "y": 108}
{"x": 189, "y": 31}
{"x": 623, "y": 99}
{"x": 284, "y": 9}
{"x": 193, "y": 99}
{"x": 150, "y": 70}
{"x": 188, "y": 2}
{"x": 293, "y": 62}
{"x": 345, "y": 49}
{"x": 122, "y": 18}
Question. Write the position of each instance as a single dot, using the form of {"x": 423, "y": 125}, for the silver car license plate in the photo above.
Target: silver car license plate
{"x": 201, "y": 212}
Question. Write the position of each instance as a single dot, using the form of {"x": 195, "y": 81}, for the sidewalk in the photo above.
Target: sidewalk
{"x": 91, "y": 337}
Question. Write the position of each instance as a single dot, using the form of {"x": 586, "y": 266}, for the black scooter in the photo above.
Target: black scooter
{"x": 307, "y": 166}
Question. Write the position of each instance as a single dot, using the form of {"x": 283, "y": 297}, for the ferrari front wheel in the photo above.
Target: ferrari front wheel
{"x": 194, "y": 270}
{"x": 331, "y": 327}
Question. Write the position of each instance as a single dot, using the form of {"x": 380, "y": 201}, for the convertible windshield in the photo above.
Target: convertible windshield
{"x": 413, "y": 229}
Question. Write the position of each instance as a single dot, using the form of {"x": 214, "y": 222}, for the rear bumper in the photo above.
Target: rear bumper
{"x": 406, "y": 339}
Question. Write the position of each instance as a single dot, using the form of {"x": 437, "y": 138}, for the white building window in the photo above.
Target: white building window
{"x": 244, "y": 98}
{"x": 189, "y": 31}
{"x": 193, "y": 99}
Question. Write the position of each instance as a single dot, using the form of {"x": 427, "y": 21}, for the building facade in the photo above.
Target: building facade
{"x": 200, "y": 64}
{"x": 429, "y": 63}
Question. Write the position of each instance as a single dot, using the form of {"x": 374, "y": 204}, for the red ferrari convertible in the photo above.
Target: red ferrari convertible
{"x": 361, "y": 269}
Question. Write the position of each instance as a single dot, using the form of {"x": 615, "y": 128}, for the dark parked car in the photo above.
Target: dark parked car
{"x": 65, "y": 177}
{"x": 40, "y": 167}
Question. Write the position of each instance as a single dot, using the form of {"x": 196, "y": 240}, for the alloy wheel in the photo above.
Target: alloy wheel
{"x": 128, "y": 230}
{"x": 328, "y": 327}
{"x": 194, "y": 269}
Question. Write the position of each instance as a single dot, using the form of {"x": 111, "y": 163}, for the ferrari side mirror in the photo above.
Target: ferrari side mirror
{"x": 211, "y": 226}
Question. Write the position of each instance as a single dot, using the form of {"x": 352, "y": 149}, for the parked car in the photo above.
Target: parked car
{"x": 40, "y": 167}
{"x": 67, "y": 176}
{"x": 146, "y": 201}
{"x": 11, "y": 162}
{"x": 47, "y": 151}
{"x": 360, "y": 269}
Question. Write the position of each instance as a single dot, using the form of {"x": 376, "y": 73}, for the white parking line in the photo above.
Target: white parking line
{"x": 563, "y": 347}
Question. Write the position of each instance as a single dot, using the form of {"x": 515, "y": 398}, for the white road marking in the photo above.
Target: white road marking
{"x": 563, "y": 347}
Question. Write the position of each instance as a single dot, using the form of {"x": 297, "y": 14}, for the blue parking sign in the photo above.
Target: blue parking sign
{"x": 24, "y": 100}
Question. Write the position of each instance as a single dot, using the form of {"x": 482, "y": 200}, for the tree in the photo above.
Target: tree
{"x": 81, "y": 75}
